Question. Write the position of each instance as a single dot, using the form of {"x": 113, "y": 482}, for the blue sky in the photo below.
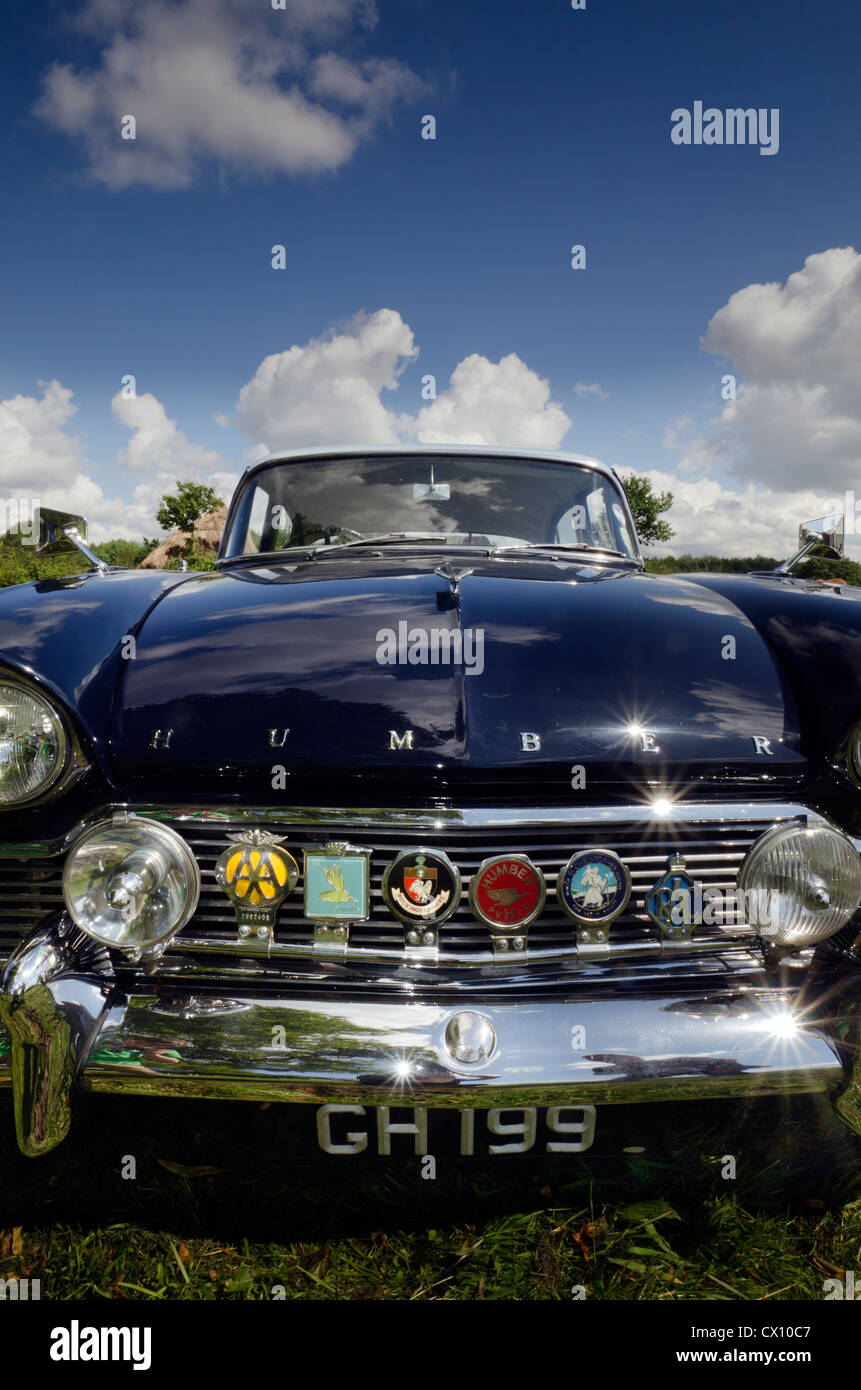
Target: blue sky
{"x": 553, "y": 128}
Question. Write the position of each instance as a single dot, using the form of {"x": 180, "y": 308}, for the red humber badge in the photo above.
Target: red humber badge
{"x": 507, "y": 891}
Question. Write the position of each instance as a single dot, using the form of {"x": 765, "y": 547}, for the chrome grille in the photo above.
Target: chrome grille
{"x": 30, "y": 890}
{"x": 713, "y": 853}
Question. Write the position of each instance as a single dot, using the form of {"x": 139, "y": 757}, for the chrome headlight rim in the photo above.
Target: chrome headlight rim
{"x": 766, "y": 843}
{"x": 70, "y": 759}
{"x": 850, "y": 754}
{"x": 163, "y": 834}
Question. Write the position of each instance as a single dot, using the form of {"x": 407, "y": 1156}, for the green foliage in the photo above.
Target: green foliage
{"x": 198, "y": 559}
{"x": 849, "y": 570}
{"x": 125, "y": 554}
{"x": 19, "y": 563}
{"x": 646, "y": 506}
{"x": 713, "y": 564}
{"x": 180, "y": 510}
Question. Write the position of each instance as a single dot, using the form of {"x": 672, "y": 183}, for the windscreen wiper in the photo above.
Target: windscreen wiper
{"x": 569, "y": 545}
{"x": 390, "y": 538}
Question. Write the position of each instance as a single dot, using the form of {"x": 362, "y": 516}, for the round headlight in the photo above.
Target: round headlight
{"x": 131, "y": 884}
{"x": 801, "y": 884}
{"x": 33, "y": 744}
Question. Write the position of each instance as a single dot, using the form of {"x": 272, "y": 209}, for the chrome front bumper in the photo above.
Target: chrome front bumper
{"x": 72, "y": 1026}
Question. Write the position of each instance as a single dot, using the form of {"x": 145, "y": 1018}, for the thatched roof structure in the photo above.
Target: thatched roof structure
{"x": 207, "y": 535}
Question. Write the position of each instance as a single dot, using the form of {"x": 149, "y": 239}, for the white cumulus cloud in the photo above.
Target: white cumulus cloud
{"x": 796, "y": 350}
{"x": 330, "y": 390}
{"x": 42, "y": 463}
{"x": 34, "y": 447}
{"x": 709, "y": 518}
{"x": 156, "y": 441}
{"x": 503, "y": 403}
{"x": 229, "y": 81}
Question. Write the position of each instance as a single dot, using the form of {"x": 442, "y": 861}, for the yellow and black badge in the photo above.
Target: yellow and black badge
{"x": 256, "y": 873}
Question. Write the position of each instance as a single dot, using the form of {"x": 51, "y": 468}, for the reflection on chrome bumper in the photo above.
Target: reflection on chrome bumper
{"x": 69, "y": 1027}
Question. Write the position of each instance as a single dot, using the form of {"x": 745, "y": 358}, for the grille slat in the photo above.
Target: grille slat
{"x": 32, "y": 890}
{"x": 713, "y": 858}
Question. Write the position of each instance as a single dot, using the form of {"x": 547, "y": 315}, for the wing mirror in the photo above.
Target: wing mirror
{"x": 821, "y": 539}
{"x": 61, "y": 533}
{"x": 54, "y": 536}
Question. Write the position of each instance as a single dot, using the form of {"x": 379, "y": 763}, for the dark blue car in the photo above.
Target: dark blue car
{"x": 428, "y": 807}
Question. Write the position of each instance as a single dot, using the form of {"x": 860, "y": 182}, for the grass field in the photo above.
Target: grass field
{"x": 221, "y": 1209}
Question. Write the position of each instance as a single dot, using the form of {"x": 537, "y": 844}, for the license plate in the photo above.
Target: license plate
{"x": 389, "y": 1131}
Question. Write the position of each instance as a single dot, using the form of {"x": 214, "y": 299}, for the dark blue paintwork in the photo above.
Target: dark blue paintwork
{"x": 67, "y": 635}
{"x": 814, "y": 629}
{"x": 574, "y": 652}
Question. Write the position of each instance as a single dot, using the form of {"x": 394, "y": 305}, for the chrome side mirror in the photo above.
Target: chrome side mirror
{"x": 821, "y": 539}
{"x": 55, "y": 528}
{"x": 61, "y": 533}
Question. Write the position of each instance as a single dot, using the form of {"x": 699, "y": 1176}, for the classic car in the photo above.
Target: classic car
{"x": 430, "y": 809}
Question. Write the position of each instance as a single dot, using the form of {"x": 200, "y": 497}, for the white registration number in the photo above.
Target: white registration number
{"x": 403, "y": 1131}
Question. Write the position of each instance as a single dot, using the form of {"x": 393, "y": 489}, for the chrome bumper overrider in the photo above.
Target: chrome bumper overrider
{"x": 71, "y": 1024}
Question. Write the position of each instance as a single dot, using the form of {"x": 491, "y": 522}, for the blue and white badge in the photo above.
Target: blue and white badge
{"x": 337, "y": 882}
{"x": 594, "y": 887}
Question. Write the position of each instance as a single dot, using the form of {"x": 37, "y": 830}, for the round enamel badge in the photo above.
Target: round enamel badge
{"x": 422, "y": 885}
{"x": 594, "y": 887}
{"x": 507, "y": 891}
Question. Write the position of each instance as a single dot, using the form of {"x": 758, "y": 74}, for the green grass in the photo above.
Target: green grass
{"x": 221, "y": 1208}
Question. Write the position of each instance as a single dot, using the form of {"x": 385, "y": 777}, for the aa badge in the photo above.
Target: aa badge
{"x": 256, "y": 872}
{"x": 594, "y": 887}
{"x": 422, "y": 886}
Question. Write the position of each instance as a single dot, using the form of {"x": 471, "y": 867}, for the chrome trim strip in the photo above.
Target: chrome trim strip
{"x": 432, "y": 818}
{"x": 566, "y": 950}
{"x": 489, "y": 818}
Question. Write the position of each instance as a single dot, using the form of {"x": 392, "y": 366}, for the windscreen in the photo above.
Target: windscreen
{"x": 478, "y": 500}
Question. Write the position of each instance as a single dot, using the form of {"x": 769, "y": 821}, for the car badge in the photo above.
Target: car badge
{"x": 594, "y": 887}
{"x": 671, "y": 903}
{"x": 507, "y": 892}
{"x": 337, "y": 883}
{"x": 257, "y": 873}
{"x": 422, "y": 886}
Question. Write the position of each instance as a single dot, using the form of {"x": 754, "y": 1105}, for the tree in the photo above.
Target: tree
{"x": 179, "y": 512}
{"x": 646, "y": 506}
